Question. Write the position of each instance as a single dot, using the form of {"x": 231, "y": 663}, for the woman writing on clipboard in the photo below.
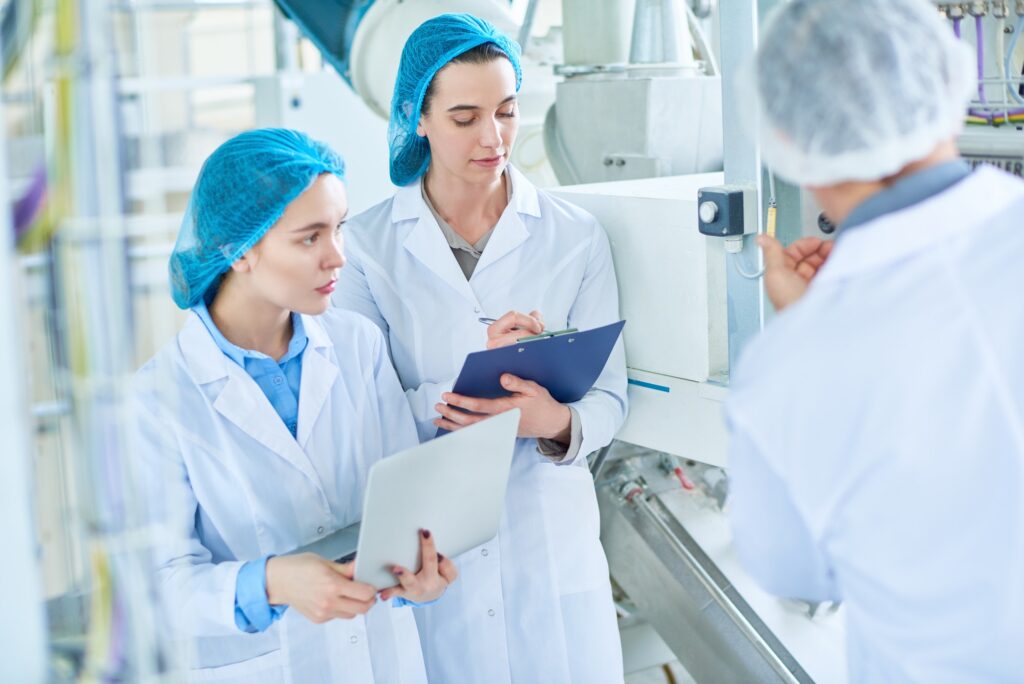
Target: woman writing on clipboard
{"x": 467, "y": 236}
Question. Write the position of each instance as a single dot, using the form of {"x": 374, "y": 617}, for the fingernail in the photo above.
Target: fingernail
{"x": 397, "y": 571}
{"x": 425, "y": 533}
{"x": 440, "y": 557}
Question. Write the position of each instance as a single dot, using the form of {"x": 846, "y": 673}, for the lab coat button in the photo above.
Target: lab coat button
{"x": 483, "y": 552}
{"x": 490, "y": 611}
{"x": 320, "y": 530}
{"x": 354, "y": 639}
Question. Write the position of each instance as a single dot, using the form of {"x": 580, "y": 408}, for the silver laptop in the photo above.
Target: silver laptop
{"x": 453, "y": 486}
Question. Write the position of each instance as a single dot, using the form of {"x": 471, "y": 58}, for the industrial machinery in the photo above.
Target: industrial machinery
{"x": 660, "y": 106}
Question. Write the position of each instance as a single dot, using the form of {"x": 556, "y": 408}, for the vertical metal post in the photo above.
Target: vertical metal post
{"x": 286, "y": 42}
{"x": 739, "y": 30}
{"x": 23, "y": 634}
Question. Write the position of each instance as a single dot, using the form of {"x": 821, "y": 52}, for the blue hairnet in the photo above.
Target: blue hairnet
{"x": 242, "y": 190}
{"x": 429, "y": 49}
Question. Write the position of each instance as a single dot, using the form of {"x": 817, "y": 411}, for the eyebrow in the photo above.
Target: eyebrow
{"x": 320, "y": 225}
{"x": 465, "y": 107}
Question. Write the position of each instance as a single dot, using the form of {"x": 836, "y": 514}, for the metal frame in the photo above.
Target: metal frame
{"x": 739, "y": 26}
{"x": 23, "y": 636}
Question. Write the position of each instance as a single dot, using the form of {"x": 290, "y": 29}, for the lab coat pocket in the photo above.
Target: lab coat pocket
{"x": 262, "y": 668}
{"x": 573, "y": 524}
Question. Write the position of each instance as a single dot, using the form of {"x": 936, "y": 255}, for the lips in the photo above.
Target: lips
{"x": 490, "y": 162}
{"x": 328, "y": 288}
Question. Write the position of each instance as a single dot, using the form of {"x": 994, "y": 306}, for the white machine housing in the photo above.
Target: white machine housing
{"x": 672, "y": 290}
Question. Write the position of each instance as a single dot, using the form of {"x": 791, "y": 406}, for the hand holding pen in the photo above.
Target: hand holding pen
{"x": 508, "y": 329}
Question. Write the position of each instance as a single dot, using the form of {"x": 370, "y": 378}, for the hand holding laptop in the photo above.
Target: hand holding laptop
{"x": 454, "y": 487}
{"x": 320, "y": 589}
{"x": 436, "y": 573}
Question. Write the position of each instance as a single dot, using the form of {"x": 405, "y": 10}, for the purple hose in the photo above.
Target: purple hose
{"x": 980, "y": 40}
{"x": 994, "y": 116}
{"x": 27, "y": 207}
{"x": 956, "y": 26}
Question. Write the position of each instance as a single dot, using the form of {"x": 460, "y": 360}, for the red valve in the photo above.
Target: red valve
{"x": 683, "y": 480}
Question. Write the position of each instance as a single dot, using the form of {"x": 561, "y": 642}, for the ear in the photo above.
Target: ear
{"x": 246, "y": 262}
{"x": 420, "y": 130}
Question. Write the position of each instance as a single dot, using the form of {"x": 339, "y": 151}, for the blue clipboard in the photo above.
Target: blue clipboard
{"x": 566, "y": 365}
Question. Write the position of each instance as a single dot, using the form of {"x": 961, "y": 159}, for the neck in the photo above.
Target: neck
{"x": 251, "y": 322}
{"x": 839, "y": 200}
{"x": 471, "y": 209}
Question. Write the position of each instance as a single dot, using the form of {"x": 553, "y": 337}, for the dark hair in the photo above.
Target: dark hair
{"x": 484, "y": 53}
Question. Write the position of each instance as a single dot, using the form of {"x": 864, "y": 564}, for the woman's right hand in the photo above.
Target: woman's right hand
{"x": 513, "y": 325}
{"x": 317, "y": 588}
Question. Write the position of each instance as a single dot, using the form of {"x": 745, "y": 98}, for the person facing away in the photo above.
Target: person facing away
{"x": 468, "y": 237}
{"x": 257, "y": 426}
{"x": 877, "y": 451}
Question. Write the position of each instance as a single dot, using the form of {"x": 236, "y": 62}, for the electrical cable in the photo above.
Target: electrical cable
{"x": 739, "y": 269}
{"x": 770, "y": 222}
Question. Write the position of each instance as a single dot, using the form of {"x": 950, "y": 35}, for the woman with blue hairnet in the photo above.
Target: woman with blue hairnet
{"x": 877, "y": 452}
{"x": 468, "y": 237}
{"x": 258, "y": 425}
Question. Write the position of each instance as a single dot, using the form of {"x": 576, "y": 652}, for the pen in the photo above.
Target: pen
{"x": 488, "y": 321}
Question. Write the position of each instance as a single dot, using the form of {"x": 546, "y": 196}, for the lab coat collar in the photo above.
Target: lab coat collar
{"x": 318, "y": 338}
{"x": 241, "y": 401}
{"x": 427, "y": 243}
{"x": 408, "y": 201}
{"x": 968, "y": 205}
{"x": 524, "y": 193}
{"x": 319, "y": 373}
{"x": 206, "y": 362}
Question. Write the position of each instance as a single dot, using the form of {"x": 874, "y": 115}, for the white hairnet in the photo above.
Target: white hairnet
{"x": 857, "y": 89}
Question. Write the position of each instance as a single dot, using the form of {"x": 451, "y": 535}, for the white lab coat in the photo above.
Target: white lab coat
{"x": 878, "y": 440}
{"x": 534, "y": 604}
{"x": 229, "y": 483}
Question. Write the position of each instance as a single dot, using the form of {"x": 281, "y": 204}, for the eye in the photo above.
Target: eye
{"x": 337, "y": 228}
{"x": 510, "y": 114}
{"x": 463, "y": 123}
{"x": 311, "y": 240}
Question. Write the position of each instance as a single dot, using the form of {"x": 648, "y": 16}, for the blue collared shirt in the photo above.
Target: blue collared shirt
{"x": 279, "y": 381}
{"x": 908, "y": 191}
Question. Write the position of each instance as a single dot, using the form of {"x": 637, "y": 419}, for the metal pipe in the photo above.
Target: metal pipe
{"x": 527, "y": 27}
{"x": 715, "y": 591}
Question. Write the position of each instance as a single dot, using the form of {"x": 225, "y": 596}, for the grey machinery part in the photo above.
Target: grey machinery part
{"x": 676, "y": 586}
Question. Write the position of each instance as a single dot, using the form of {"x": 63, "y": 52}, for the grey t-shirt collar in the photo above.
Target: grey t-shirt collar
{"x": 456, "y": 241}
